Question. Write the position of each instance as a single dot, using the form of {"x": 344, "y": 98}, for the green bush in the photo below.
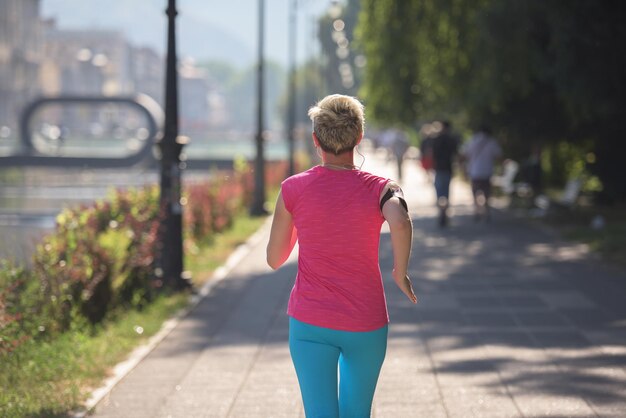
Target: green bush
{"x": 89, "y": 276}
{"x": 17, "y": 299}
{"x": 564, "y": 161}
{"x": 132, "y": 234}
{"x": 99, "y": 257}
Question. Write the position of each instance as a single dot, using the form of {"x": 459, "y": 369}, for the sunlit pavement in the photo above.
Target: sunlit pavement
{"x": 511, "y": 322}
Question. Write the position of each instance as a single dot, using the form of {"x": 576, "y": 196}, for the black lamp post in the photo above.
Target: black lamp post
{"x": 291, "y": 112}
{"x": 258, "y": 199}
{"x": 171, "y": 145}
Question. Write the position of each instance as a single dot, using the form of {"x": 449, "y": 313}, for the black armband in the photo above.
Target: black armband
{"x": 394, "y": 192}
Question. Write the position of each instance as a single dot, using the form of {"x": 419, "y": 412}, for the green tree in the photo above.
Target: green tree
{"x": 388, "y": 34}
{"x": 542, "y": 72}
{"x": 341, "y": 59}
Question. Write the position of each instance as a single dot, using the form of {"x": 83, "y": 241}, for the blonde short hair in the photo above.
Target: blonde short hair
{"x": 338, "y": 123}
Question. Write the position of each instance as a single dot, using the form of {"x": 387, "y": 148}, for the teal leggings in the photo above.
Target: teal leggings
{"x": 317, "y": 351}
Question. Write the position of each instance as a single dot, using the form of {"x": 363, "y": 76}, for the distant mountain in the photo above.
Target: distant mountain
{"x": 209, "y": 29}
{"x": 205, "y": 42}
{"x": 145, "y": 24}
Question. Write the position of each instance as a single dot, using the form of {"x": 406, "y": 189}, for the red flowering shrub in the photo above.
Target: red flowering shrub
{"x": 134, "y": 220}
{"x": 99, "y": 256}
{"x": 212, "y": 204}
{"x": 198, "y": 214}
{"x": 74, "y": 271}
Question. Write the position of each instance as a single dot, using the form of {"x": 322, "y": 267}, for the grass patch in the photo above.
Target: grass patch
{"x": 610, "y": 242}
{"x": 47, "y": 379}
{"x": 577, "y": 224}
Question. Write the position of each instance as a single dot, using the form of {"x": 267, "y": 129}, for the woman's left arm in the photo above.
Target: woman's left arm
{"x": 283, "y": 235}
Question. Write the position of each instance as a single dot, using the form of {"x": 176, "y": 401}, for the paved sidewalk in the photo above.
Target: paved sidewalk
{"x": 511, "y": 322}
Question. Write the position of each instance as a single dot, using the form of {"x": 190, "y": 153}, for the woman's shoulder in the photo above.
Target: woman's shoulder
{"x": 366, "y": 175}
{"x": 302, "y": 177}
{"x": 373, "y": 180}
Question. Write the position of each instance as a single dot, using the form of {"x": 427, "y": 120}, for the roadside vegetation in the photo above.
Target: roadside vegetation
{"x": 91, "y": 295}
{"x": 514, "y": 66}
{"x": 602, "y": 228}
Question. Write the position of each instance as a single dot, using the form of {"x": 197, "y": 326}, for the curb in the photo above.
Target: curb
{"x": 138, "y": 354}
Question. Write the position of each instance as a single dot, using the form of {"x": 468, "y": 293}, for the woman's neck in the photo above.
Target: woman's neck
{"x": 344, "y": 160}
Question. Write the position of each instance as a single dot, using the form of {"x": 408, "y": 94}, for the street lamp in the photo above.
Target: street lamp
{"x": 258, "y": 198}
{"x": 291, "y": 112}
{"x": 171, "y": 145}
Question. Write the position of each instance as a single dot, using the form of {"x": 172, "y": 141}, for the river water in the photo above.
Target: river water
{"x": 32, "y": 197}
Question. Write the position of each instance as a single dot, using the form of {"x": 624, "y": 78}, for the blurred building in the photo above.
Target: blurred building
{"x": 97, "y": 63}
{"x": 39, "y": 58}
{"x": 194, "y": 94}
{"x": 148, "y": 73}
{"x": 21, "y": 50}
{"x": 86, "y": 62}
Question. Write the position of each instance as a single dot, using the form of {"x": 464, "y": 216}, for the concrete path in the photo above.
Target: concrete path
{"x": 511, "y": 322}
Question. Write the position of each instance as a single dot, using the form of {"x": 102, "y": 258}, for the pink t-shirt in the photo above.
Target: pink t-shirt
{"x": 338, "y": 218}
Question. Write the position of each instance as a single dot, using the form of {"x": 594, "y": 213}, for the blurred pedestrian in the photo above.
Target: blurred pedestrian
{"x": 426, "y": 148}
{"x": 385, "y": 141}
{"x": 399, "y": 147}
{"x": 480, "y": 155}
{"x": 396, "y": 142}
{"x": 337, "y": 308}
{"x": 445, "y": 146}
{"x": 531, "y": 172}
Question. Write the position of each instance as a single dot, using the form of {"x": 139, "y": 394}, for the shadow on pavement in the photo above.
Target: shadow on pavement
{"x": 504, "y": 308}
{"x": 509, "y": 301}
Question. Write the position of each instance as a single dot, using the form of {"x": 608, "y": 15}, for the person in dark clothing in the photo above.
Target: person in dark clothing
{"x": 426, "y": 149}
{"x": 444, "y": 149}
{"x": 531, "y": 172}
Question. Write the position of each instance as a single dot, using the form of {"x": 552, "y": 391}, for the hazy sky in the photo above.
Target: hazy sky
{"x": 225, "y": 29}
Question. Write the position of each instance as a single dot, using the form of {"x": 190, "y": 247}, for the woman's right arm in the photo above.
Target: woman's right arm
{"x": 401, "y": 239}
{"x": 283, "y": 235}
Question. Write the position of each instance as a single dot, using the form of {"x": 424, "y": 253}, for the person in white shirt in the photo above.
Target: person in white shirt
{"x": 480, "y": 155}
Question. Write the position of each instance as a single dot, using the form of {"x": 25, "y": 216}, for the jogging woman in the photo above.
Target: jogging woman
{"x": 337, "y": 308}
